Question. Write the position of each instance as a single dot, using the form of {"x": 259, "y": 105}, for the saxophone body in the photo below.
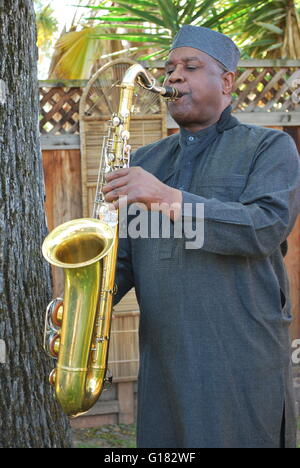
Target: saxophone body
{"x": 77, "y": 328}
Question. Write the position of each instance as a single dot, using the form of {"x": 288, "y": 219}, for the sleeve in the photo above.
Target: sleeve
{"x": 124, "y": 274}
{"x": 266, "y": 211}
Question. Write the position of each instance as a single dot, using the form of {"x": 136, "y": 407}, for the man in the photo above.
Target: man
{"x": 214, "y": 341}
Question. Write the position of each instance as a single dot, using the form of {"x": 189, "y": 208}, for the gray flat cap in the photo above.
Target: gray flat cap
{"x": 213, "y": 43}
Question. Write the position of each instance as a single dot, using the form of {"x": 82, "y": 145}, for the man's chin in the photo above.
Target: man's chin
{"x": 180, "y": 111}
{"x": 180, "y": 117}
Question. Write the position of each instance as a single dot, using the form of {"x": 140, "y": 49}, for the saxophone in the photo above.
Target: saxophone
{"x": 77, "y": 328}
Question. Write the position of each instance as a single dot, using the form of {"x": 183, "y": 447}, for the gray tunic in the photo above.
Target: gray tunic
{"x": 214, "y": 326}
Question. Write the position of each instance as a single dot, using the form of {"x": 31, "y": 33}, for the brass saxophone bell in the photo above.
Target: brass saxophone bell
{"x": 80, "y": 248}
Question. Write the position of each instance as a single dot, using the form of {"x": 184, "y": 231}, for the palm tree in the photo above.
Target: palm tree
{"x": 146, "y": 25}
{"x": 46, "y": 26}
{"x": 75, "y": 54}
{"x": 154, "y": 23}
{"x": 146, "y": 28}
{"x": 78, "y": 50}
{"x": 270, "y": 29}
{"x": 262, "y": 28}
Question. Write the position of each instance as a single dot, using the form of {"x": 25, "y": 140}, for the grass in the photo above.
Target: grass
{"x": 114, "y": 436}
{"x": 111, "y": 436}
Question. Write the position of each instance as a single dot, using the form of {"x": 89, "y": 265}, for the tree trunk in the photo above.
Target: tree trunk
{"x": 29, "y": 415}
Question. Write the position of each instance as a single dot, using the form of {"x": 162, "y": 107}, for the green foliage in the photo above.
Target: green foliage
{"x": 77, "y": 50}
{"x": 109, "y": 436}
{"x": 262, "y": 28}
{"x": 271, "y": 29}
{"x": 46, "y": 24}
{"x": 156, "y": 22}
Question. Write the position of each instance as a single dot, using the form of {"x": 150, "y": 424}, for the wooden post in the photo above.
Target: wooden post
{"x": 294, "y": 132}
{"x": 126, "y": 402}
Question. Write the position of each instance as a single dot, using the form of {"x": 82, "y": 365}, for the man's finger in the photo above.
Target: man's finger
{"x": 115, "y": 183}
{"x": 116, "y": 174}
{"x": 121, "y": 202}
{"x": 114, "y": 194}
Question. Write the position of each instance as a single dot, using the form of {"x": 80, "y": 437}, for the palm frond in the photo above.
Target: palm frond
{"x": 75, "y": 54}
{"x": 46, "y": 25}
{"x": 146, "y": 28}
{"x": 275, "y": 21}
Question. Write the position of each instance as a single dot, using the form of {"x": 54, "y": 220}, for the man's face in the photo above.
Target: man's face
{"x": 201, "y": 79}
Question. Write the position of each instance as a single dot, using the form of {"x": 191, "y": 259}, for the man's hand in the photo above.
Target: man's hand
{"x": 139, "y": 186}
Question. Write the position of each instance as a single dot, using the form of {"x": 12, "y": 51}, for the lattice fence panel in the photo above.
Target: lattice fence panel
{"x": 59, "y": 110}
{"x": 258, "y": 88}
{"x": 267, "y": 90}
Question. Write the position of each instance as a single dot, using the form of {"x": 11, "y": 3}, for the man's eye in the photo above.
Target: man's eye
{"x": 169, "y": 72}
{"x": 191, "y": 68}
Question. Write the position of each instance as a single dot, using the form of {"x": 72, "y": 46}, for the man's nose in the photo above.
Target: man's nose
{"x": 176, "y": 76}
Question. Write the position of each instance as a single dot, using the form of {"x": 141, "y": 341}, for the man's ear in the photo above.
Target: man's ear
{"x": 228, "y": 82}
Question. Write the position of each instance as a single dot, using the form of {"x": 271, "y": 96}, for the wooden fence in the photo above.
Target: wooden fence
{"x": 266, "y": 93}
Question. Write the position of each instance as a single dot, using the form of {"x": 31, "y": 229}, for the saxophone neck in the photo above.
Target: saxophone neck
{"x": 137, "y": 74}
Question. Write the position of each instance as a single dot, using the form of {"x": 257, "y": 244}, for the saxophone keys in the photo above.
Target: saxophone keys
{"x": 102, "y": 339}
{"x": 125, "y": 135}
{"x": 54, "y": 312}
{"x": 54, "y": 345}
{"x": 57, "y": 312}
{"x": 111, "y": 157}
{"x": 53, "y": 323}
{"x": 127, "y": 150}
{"x": 52, "y": 377}
{"x": 116, "y": 121}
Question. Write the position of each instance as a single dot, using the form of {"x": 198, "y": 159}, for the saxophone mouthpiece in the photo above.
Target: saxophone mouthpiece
{"x": 171, "y": 94}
